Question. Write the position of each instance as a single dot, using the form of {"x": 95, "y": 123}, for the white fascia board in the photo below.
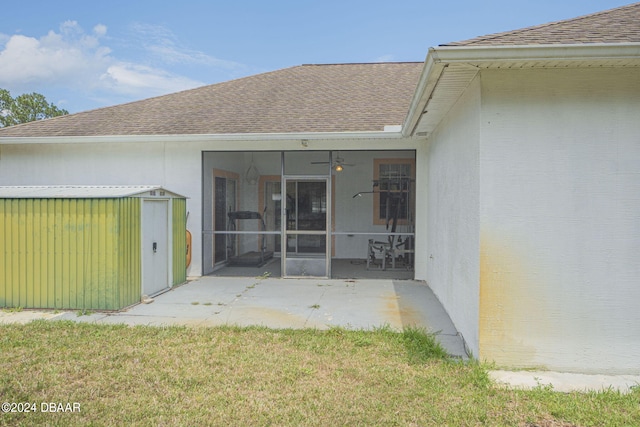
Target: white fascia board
{"x": 306, "y": 136}
{"x": 433, "y": 68}
{"x": 560, "y": 52}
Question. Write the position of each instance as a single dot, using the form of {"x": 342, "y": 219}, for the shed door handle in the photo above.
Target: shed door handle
{"x": 155, "y": 247}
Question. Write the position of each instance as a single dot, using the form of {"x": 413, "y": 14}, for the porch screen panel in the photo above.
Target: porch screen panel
{"x": 242, "y": 216}
{"x": 220, "y": 222}
{"x": 374, "y": 214}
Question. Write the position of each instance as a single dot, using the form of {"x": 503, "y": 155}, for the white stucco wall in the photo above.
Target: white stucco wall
{"x": 450, "y": 260}
{"x": 178, "y": 166}
{"x": 559, "y": 218}
{"x": 168, "y": 165}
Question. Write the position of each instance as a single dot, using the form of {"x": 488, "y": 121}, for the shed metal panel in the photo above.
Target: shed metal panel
{"x": 78, "y": 253}
{"x": 179, "y": 231}
{"x": 129, "y": 261}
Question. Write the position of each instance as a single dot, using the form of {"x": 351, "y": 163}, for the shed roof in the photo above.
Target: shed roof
{"x": 306, "y": 98}
{"x": 77, "y": 191}
{"x": 619, "y": 25}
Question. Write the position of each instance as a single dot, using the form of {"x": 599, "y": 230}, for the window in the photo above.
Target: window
{"x": 394, "y": 189}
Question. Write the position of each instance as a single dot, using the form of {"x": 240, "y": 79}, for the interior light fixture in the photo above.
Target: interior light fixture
{"x": 252, "y": 174}
{"x": 338, "y": 168}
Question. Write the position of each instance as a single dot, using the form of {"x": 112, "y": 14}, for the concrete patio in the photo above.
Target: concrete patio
{"x": 292, "y": 303}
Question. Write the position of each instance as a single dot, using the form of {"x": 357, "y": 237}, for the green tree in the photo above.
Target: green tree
{"x": 25, "y": 108}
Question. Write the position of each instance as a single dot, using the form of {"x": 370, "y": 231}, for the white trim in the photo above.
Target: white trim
{"x": 429, "y": 78}
{"x": 83, "y": 191}
{"x": 560, "y": 52}
{"x": 302, "y": 136}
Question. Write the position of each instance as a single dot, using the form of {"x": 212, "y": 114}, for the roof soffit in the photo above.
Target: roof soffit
{"x": 449, "y": 70}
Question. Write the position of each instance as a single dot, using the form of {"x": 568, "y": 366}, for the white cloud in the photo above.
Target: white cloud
{"x": 162, "y": 44}
{"x": 73, "y": 62}
{"x": 385, "y": 58}
{"x": 100, "y": 30}
{"x": 172, "y": 55}
{"x": 69, "y": 57}
{"x": 135, "y": 80}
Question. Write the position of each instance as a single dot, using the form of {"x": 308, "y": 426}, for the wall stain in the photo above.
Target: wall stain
{"x": 513, "y": 304}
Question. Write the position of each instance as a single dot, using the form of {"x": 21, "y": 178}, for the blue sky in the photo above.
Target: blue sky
{"x": 83, "y": 55}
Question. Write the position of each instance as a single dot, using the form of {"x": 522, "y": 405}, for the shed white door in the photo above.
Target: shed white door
{"x": 155, "y": 246}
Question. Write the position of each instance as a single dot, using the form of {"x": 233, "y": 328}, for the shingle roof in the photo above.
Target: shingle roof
{"x": 620, "y": 25}
{"x": 306, "y": 98}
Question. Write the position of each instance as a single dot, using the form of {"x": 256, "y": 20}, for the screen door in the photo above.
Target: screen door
{"x": 306, "y": 240}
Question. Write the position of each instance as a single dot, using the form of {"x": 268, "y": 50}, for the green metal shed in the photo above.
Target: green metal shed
{"x": 89, "y": 247}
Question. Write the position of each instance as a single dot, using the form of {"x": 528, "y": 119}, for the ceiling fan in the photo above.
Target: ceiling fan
{"x": 338, "y": 163}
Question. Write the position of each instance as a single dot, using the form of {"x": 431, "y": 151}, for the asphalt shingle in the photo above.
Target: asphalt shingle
{"x": 619, "y": 25}
{"x": 306, "y": 98}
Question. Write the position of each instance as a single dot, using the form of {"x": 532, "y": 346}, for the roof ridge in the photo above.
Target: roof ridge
{"x": 361, "y": 63}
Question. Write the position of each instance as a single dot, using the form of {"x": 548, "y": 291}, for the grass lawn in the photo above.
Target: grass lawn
{"x": 228, "y": 376}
